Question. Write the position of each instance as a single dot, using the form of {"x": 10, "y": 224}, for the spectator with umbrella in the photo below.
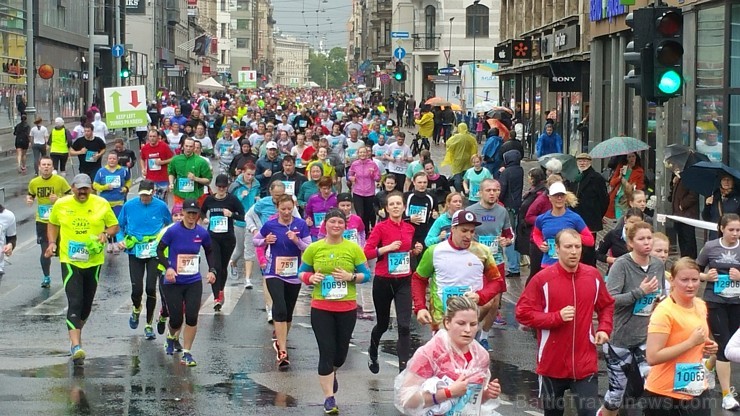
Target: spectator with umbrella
{"x": 549, "y": 142}
{"x": 716, "y": 181}
{"x": 590, "y": 189}
{"x": 684, "y": 201}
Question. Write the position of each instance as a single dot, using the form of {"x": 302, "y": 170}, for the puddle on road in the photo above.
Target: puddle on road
{"x": 243, "y": 391}
{"x": 102, "y": 367}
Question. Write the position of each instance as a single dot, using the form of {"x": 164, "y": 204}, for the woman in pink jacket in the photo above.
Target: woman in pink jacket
{"x": 364, "y": 176}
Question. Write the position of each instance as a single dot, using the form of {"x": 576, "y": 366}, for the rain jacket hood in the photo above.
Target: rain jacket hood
{"x": 460, "y": 148}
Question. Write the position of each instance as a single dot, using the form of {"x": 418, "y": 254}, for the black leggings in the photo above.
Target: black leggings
{"x": 535, "y": 260}
{"x": 386, "y": 290}
{"x": 364, "y": 209}
{"x": 59, "y": 161}
{"x": 80, "y": 286}
{"x": 163, "y": 311}
{"x": 183, "y": 296}
{"x": 43, "y": 241}
{"x": 136, "y": 269}
{"x": 222, "y": 246}
{"x": 585, "y": 390}
{"x": 333, "y": 330}
{"x": 657, "y": 405}
{"x": 284, "y": 297}
{"x": 723, "y": 320}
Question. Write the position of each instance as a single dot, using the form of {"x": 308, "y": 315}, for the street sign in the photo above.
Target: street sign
{"x": 399, "y": 53}
{"x": 447, "y": 71}
{"x": 247, "y": 79}
{"x": 117, "y": 50}
{"x": 400, "y": 35}
{"x": 125, "y": 107}
{"x": 385, "y": 78}
{"x": 365, "y": 65}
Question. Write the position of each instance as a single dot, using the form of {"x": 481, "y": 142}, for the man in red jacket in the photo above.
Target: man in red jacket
{"x": 559, "y": 303}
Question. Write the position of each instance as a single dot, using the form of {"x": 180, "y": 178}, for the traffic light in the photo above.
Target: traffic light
{"x": 667, "y": 54}
{"x": 125, "y": 71}
{"x": 400, "y": 73}
{"x": 638, "y": 53}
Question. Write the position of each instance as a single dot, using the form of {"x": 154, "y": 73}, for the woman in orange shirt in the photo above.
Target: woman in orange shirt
{"x": 678, "y": 339}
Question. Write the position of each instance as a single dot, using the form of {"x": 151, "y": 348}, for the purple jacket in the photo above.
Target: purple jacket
{"x": 366, "y": 174}
{"x": 316, "y": 209}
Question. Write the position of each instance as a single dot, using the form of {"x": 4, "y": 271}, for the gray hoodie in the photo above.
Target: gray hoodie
{"x": 632, "y": 307}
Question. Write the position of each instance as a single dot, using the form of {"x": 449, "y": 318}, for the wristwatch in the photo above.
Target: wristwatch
{"x": 212, "y": 270}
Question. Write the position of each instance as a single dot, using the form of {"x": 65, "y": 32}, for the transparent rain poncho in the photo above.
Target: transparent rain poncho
{"x": 436, "y": 365}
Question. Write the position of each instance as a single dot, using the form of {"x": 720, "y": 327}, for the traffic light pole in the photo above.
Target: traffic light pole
{"x": 661, "y": 177}
{"x": 117, "y": 41}
{"x": 30, "y": 65}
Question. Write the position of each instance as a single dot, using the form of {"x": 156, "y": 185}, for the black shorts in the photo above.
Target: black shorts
{"x": 21, "y": 144}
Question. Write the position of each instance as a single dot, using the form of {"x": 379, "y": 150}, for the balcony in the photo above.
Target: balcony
{"x": 426, "y": 41}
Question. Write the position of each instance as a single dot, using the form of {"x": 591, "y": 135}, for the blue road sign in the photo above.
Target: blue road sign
{"x": 399, "y": 53}
{"x": 117, "y": 50}
{"x": 400, "y": 35}
{"x": 447, "y": 71}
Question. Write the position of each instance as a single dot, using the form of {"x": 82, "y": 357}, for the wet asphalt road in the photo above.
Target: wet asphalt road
{"x": 125, "y": 374}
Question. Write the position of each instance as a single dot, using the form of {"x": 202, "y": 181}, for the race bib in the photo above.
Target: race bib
{"x": 451, "y": 292}
{"x": 397, "y": 153}
{"x": 333, "y": 290}
{"x": 474, "y": 190}
{"x": 418, "y": 210}
{"x": 188, "y": 264}
{"x": 289, "y": 187}
{"x": 470, "y": 402}
{"x": 218, "y": 224}
{"x": 226, "y": 149}
{"x": 489, "y": 241}
{"x": 90, "y": 156}
{"x": 399, "y": 263}
{"x": 351, "y": 235}
{"x": 113, "y": 180}
{"x": 185, "y": 185}
{"x": 44, "y": 211}
{"x": 77, "y": 251}
{"x": 145, "y": 250}
{"x": 318, "y": 218}
{"x": 302, "y": 123}
{"x": 379, "y": 153}
{"x": 299, "y": 163}
{"x": 689, "y": 379}
{"x": 286, "y": 266}
{"x": 726, "y": 287}
{"x": 551, "y": 249}
{"x": 151, "y": 165}
{"x": 645, "y": 305}
{"x": 351, "y": 153}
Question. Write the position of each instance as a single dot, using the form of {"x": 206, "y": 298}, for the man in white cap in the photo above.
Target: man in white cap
{"x": 83, "y": 222}
{"x": 60, "y": 140}
{"x": 267, "y": 166}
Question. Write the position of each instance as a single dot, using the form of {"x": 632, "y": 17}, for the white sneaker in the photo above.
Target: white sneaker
{"x": 269, "y": 315}
{"x": 248, "y": 284}
{"x": 729, "y": 402}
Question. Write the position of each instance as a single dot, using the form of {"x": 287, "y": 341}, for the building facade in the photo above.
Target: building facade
{"x": 263, "y": 49}
{"x": 241, "y": 37}
{"x": 13, "y": 20}
{"x": 435, "y": 34}
{"x": 544, "y": 57}
{"x": 358, "y": 69}
{"x": 291, "y": 62}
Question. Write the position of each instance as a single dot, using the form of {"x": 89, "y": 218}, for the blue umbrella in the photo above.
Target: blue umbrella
{"x": 704, "y": 177}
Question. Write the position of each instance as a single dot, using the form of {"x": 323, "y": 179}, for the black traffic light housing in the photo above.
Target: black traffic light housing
{"x": 636, "y": 54}
{"x": 400, "y": 73}
{"x": 667, "y": 54}
{"x": 125, "y": 71}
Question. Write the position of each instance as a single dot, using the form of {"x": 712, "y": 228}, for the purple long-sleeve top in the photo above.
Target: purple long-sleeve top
{"x": 316, "y": 209}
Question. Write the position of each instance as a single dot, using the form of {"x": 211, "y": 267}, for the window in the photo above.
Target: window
{"x": 242, "y": 24}
{"x": 709, "y": 110}
{"x": 223, "y": 57}
{"x": 429, "y": 20}
{"x": 735, "y": 47}
{"x": 223, "y": 31}
{"x": 476, "y": 21}
{"x": 710, "y": 47}
{"x": 242, "y": 43}
{"x": 387, "y": 33}
{"x": 242, "y": 4}
{"x": 224, "y": 5}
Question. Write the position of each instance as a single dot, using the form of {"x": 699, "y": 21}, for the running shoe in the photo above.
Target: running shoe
{"x": 335, "y": 389}
{"x": 188, "y": 360}
{"x": 161, "y": 324}
{"x": 248, "y": 284}
{"x": 283, "y": 362}
{"x": 274, "y": 335}
{"x": 46, "y": 282}
{"x": 218, "y": 302}
{"x": 276, "y": 347}
{"x": 269, "y": 315}
{"x": 133, "y": 320}
{"x": 330, "y": 406}
{"x": 729, "y": 402}
{"x": 169, "y": 345}
{"x": 373, "y": 365}
{"x": 78, "y": 355}
{"x": 484, "y": 343}
{"x": 232, "y": 266}
{"x": 178, "y": 347}
{"x": 149, "y": 332}
{"x": 499, "y": 320}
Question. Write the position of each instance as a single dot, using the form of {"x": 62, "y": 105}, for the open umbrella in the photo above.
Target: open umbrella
{"x": 570, "y": 168}
{"x": 483, "y": 107}
{"x": 679, "y": 157}
{"x": 704, "y": 177}
{"x": 455, "y": 107}
{"x": 616, "y": 146}
{"x": 437, "y": 102}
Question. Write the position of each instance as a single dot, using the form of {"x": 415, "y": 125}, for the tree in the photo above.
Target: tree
{"x": 332, "y": 66}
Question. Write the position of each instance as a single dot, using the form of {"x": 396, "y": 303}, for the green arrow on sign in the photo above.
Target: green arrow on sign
{"x": 116, "y": 105}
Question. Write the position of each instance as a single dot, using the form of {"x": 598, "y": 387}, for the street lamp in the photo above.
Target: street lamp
{"x": 475, "y": 35}
{"x": 449, "y": 53}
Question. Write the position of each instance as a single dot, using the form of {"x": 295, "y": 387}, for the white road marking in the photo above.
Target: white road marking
{"x": 392, "y": 364}
{"x": 51, "y": 306}
{"x": 303, "y": 324}
{"x": 533, "y": 413}
{"x": 232, "y": 294}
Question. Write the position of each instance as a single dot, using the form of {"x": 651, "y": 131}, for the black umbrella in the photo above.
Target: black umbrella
{"x": 679, "y": 157}
{"x": 704, "y": 177}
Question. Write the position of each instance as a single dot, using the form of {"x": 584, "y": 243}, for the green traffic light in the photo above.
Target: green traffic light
{"x": 125, "y": 73}
{"x": 670, "y": 82}
{"x": 397, "y": 76}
